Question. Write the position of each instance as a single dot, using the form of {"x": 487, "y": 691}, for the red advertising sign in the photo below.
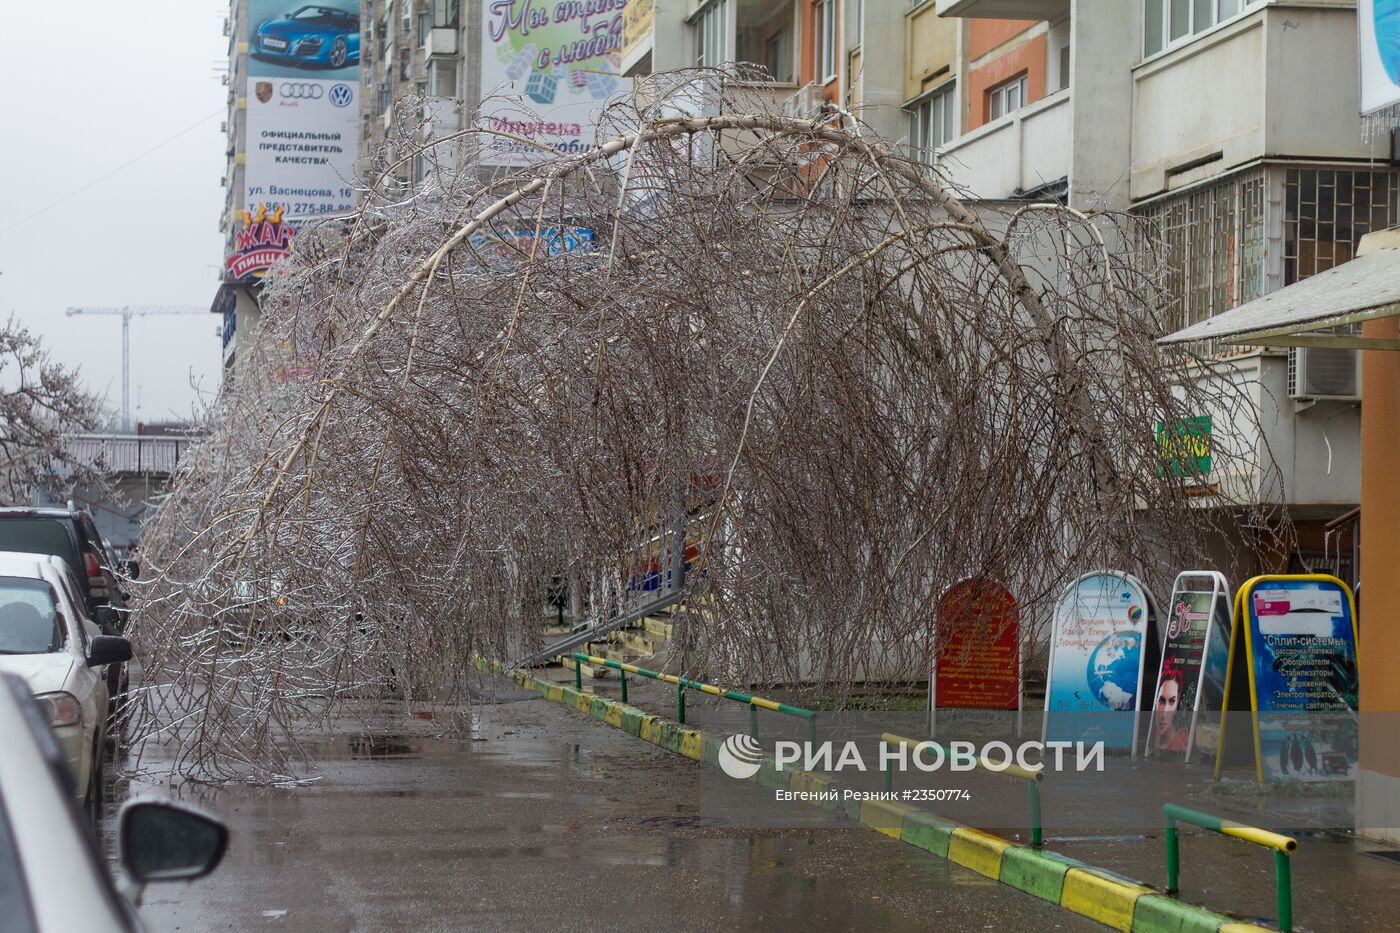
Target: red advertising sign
{"x": 261, "y": 241}
{"x": 979, "y": 657}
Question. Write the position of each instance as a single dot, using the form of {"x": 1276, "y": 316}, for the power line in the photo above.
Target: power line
{"x": 134, "y": 159}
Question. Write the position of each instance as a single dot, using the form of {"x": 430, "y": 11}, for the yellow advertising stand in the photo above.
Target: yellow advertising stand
{"x": 1293, "y": 656}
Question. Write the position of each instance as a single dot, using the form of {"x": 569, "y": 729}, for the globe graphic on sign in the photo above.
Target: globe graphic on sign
{"x": 1113, "y": 670}
{"x": 1387, "y": 19}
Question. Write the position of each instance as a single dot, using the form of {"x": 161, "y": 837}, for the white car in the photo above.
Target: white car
{"x": 53, "y": 879}
{"x": 48, "y": 641}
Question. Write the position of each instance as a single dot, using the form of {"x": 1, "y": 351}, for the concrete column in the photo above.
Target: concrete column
{"x": 1104, "y": 43}
{"x": 882, "y": 68}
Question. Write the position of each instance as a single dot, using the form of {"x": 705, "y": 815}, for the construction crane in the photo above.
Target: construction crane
{"x": 127, "y": 313}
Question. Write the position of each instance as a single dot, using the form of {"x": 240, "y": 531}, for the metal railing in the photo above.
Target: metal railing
{"x": 1282, "y": 846}
{"x": 755, "y": 703}
{"x": 1032, "y": 778}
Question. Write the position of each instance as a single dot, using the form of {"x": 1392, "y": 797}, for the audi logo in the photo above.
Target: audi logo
{"x": 295, "y": 90}
{"x": 341, "y": 95}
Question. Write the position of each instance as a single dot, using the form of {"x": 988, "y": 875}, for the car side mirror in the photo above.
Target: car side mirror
{"x": 108, "y": 649}
{"x": 159, "y": 840}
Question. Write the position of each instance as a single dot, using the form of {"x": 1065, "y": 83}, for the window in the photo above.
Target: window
{"x": 1166, "y": 23}
{"x": 712, "y": 35}
{"x": 444, "y": 75}
{"x": 29, "y": 619}
{"x": 1326, "y": 212}
{"x": 763, "y": 36}
{"x": 1212, "y": 248}
{"x": 932, "y": 122}
{"x": 827, "y": 29}
{"x": 1213, "y": 238}
{"x": 1006, "y": 97}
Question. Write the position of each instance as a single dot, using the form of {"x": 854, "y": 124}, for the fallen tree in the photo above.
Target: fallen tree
{"x": 860, "y": 387}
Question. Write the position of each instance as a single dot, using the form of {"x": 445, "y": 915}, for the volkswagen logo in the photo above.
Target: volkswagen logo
{"x": 341, "y": 95}
{"x": 300, "y": 90}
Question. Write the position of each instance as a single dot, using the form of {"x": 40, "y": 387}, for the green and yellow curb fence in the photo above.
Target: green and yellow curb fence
{"x": 755, "y": 703}
{"x": 1032, "y": 778}
{"x": 1096, "y": 893}
{"x": 1283, "y": 848}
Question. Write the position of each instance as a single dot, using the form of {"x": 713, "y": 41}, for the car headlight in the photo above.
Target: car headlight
{"x": 62, "y": 709}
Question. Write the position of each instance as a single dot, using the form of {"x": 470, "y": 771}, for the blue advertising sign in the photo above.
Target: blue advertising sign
{"x": 1299, "y": 651}
{"x": 1104, "y": 636}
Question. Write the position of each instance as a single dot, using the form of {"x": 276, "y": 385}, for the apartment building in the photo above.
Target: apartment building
{"x": 1194, "y": 114}
{"x": 1232, "y": 126}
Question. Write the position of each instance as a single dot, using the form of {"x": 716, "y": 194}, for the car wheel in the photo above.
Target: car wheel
{"x": 338, "y": 53}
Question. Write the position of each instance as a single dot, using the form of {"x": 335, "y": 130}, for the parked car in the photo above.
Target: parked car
{"x": 72, "y": 535}
{"x": 48, "y": 640}
{"x": 52, "y": 877}
{"x": 311, "y": 35}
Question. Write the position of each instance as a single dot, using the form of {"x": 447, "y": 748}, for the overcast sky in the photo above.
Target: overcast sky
{"x": 88, "y": 86}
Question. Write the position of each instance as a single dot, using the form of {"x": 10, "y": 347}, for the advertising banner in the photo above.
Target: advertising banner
{"x": 1378, "y": 23}
{"x": 564, "y": 59}
{"x": 638, "y": 18}
{"x": 303, "y": 107}
{"x": 1191, "y": 677}
{"x": 1104, "y": 637}
{"x": 1295, "y": 638}
{"x": 978, "y": 662}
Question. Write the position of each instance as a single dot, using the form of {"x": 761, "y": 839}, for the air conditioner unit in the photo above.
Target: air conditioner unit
{"x": 1324, "y": 373}
{"x": 806, "y": 104}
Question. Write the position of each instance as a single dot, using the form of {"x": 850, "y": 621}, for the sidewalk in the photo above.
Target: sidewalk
{"x": 1113, "y": 819}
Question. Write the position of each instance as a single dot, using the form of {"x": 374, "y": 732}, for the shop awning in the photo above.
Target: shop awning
{"x": 1366, "y": 288}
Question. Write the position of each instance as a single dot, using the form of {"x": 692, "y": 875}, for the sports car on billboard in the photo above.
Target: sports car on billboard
{"x": 312, "y": 35}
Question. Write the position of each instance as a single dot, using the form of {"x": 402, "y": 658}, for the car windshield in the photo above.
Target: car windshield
{"x": 319, "y": 15}
{"x": 29, "y": 619}
{"x": 35, "y": 536}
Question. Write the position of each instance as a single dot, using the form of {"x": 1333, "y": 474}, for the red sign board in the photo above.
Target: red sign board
{"x": 979, "y": 657}
{"x": 261, "y": 241}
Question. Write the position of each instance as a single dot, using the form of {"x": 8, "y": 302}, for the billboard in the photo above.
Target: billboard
{"x": 1104, "y": 637}
{"x": 1191, "y": 678}
{"x": 978, "y": 661}
{"x": 302, "y": 106}
{"x": 1294, "y": 639}
{"x": 638, "y": 19}
{"x": 563, "y": 60}
{"x": 1378, "y": 23}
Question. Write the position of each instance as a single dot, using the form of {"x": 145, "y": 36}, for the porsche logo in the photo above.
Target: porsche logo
{"x": 264, "y": 91}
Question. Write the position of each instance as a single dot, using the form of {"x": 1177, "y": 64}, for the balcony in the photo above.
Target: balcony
{"x": 1018, "y": 153}
{"x": 441, "y": 42}
{"x": 1005, "y": 9}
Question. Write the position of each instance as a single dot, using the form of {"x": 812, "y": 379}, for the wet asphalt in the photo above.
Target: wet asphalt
{"x": 538, "y": 818}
